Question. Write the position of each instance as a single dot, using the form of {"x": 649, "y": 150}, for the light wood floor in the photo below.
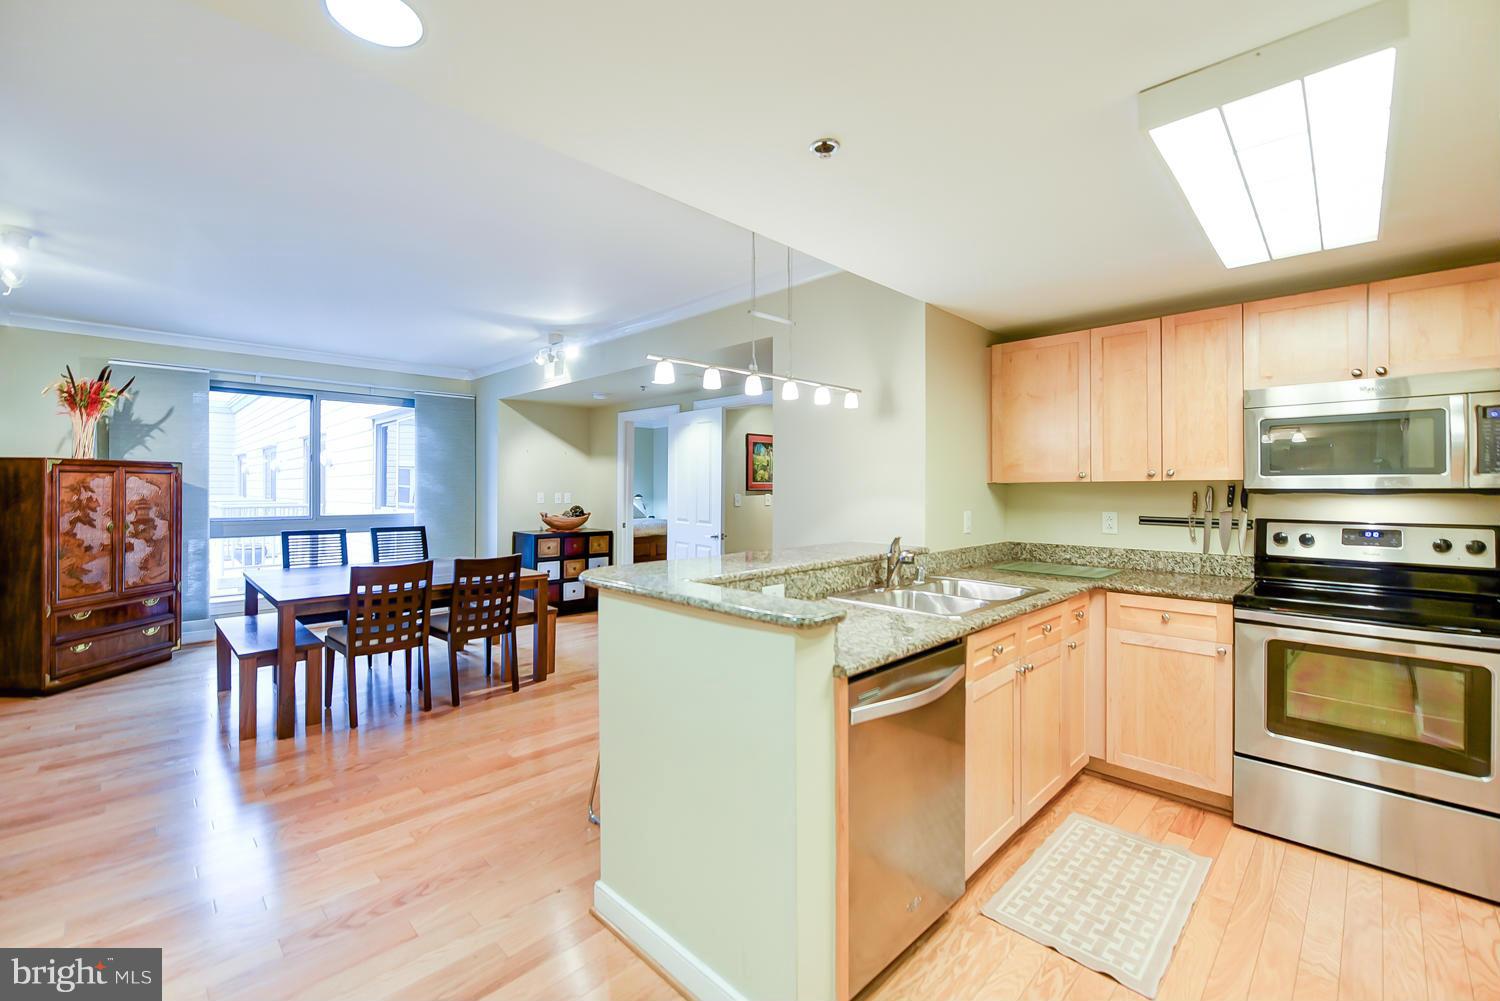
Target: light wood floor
{"x": 446, "y": 855}
{"x": 1274, "y": 921}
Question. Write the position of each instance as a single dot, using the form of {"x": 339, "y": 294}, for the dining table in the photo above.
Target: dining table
{"x": 307, "y": 591}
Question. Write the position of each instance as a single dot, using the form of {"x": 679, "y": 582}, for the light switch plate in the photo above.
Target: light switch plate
{"x": 1110, "y": 523}
{"x": 968, "y": 522}
{"x": 739, "y": 499}
{"x": 557, "y": 497}
{"x": 567, "y": 497}
{"x": 541, "y": 498}
{"x": 768, "y": 500}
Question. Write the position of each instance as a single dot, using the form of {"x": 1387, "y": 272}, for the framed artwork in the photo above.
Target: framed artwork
{"x": 759, "y": 463}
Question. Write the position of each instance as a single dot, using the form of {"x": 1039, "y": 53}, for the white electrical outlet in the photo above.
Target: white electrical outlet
{"x": 968, "y": 522}
{"x": 557, "y": 497}
{"x": 567, "y": 497}
{"x": 1111, "y": 523}
{"x": 768, "y": 500}
{"x": 541, "y": 498}
{"x": 739, "y": 499}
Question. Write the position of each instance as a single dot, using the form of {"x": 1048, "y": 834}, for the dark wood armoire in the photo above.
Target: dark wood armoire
{"x": 90, "y": 569}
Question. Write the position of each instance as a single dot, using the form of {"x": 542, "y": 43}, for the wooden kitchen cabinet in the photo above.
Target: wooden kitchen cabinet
{"x": 1443, "y": 322}
{"x": 1039, "y": 410}
{"x": 1076, "y": 650}
{"x": 1313, "y": 337}
{"x": 1125, "y": 401}
{"x": 992, "y": 805}
{"x": 1170, "y": 684}
{"x": 1043, "y": 723}
{"x": 1202, "y": 395}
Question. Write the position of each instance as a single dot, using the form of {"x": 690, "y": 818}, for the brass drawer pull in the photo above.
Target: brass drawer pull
{"x": 80, "y": 647}
{"x": 151, "y": 630}
{"x": 150, "y": 602}
{"x": 80, "y": 616}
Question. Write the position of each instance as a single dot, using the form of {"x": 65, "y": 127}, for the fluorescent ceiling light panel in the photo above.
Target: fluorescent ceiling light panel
{"x": 1291, "y": 170}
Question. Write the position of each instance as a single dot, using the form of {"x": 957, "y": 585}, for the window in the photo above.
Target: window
{"x": 265, "y": 479}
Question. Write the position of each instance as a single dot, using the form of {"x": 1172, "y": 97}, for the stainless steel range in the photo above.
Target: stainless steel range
{"x": 1366, "y": 690}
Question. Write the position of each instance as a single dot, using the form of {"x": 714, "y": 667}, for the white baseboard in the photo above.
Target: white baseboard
{"x": 690, "y": 972}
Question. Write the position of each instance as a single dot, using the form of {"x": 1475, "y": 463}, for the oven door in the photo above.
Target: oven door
{"x": 1416, "y": 443}
{"x": 1385, "y": 706}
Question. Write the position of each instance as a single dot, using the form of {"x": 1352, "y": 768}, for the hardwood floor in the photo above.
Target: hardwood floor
{"x": 447, "y": 855}
{"x": 423, "y": 855}
{"x": 1274, "y": 921}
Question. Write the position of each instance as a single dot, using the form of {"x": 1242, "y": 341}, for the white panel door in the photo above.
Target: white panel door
{"x": 695, "y": 484}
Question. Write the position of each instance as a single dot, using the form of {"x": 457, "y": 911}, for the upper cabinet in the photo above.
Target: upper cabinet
{"x": 1039, "y": 409}
{"x": 1202, "y": 395}
{"x": 1312, "y": 337}
{"x": 1125, "y": 424}
{"x": 1436, "y": 323}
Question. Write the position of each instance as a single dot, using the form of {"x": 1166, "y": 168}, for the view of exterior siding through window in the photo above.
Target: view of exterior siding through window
{"x": 261, "y": 455}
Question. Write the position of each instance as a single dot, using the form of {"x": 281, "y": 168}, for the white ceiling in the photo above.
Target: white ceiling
{"x": 192, "y": 175}
{"x": 992, "y": 161}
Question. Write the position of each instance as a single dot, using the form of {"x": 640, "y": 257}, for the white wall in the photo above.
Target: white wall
{"x": 958, "y": 398}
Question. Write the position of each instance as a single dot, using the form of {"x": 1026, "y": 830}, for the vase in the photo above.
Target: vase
{"x": 85, "y": 430}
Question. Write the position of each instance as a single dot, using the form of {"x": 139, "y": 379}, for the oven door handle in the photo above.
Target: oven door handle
{"x": 1367, "y": 630}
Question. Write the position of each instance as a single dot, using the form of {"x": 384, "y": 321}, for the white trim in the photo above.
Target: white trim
{"x": 690, "y": 972}
{"x": 625, "y": 530}
{"x": 120, "y": 332}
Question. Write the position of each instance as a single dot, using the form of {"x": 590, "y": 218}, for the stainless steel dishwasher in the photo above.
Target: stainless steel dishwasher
{"x": 906, "y": 804}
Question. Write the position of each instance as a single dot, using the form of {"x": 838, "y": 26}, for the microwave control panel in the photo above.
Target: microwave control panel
{"x": 1487, "y": 438}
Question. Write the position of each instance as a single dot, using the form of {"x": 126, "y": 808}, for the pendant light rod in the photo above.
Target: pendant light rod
{"x": 745, "y": 371}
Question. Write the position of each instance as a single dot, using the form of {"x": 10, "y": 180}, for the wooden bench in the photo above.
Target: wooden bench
{"x": 252, "y": 639}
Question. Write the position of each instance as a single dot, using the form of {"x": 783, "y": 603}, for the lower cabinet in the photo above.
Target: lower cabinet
{"x": 1170, "y": 684}
{"x": 992, "y": 801}
{"x": 1042, "y": 727}
{"x": 1076, "y": 651}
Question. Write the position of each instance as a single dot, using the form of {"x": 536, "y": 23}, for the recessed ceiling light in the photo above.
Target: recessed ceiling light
{"x": 604, "y": 396}
{"x": 385, "y": 22}
{"x": 824, "y": 148}
{"x": 1294, "y": 169}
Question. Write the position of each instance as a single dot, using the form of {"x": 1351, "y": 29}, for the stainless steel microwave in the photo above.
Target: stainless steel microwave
{"x": 1425, "y": 432}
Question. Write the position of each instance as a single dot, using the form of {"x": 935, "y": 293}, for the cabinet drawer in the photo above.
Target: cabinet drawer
{"x": 598, "y": 544}
{"x": 1042, "y": 629}
{"x": 552, "y": 568}
{"x": 572, "y": 591}
{"x": 573, "y": 545}
{"x": 77, "y": 656}
{"x": 993, "y": 648}
{"x": 1176, "y": 617}
{"x": 1076, "y": 615}
{"x": 598, "y": 561}
{"x": 572, "y": 568}
{"x": 549, "y": 547}
{"x": 93, "y": 620}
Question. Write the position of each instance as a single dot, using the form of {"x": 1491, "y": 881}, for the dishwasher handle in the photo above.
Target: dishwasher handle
{"x": 906, "y": 703}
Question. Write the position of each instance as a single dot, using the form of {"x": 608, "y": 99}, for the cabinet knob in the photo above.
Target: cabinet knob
{"x": 1358, "y": 373}
{"x": 1150, "y": 473}
{"x": 1078, "y": 614}
{"x": 1171, "y": 473}
{"x": 999, "y": 649}
{"x": 1223, "y": 650}
{"x": 1381, "y": 370}
{"x": 1046, "y": 628}
{"x": 1082, "y": 475}
{"x": 1072, "y": 644}
{"x": 109, "y": 526}
{"x": 1166, "y": 616}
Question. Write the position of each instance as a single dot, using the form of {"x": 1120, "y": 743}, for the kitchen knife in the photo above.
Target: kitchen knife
{"x": 1208, "y": 514}
{"x": 1244, "y": 518}
{"x": 1192, "y": 526}
{"x": 1226, "y": 520}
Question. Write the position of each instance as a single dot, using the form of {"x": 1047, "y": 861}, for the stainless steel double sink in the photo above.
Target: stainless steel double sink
{"x": 943, "y": 597}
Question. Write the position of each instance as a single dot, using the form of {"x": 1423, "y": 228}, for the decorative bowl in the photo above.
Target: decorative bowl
{"x": 564, "y": 523}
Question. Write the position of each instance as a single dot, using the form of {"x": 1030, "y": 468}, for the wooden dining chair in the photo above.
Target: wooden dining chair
{"x": 390, "y": 609}
{"x": 483, "y": 608}
{"x": 399, "y": 544}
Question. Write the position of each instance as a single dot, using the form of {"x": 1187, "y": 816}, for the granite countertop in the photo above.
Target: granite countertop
{"x": 867, "y": 638}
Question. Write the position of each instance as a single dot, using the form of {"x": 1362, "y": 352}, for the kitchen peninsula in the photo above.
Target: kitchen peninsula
{"x": 723, "y": 705}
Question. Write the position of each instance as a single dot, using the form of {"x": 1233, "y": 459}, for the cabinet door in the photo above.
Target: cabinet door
{"x": 1075, "y": 657}
{"x": 1313, "y": 337}
{"x": 85, "y": 531}
{"x": 1443, "y": 322}
{"x": 1125, "y": 366}
{"x": 149, "y": 503}
{"x": 1042, "y": 774}
{"x": 992, "y": 805}
{"x": 1202, "y": 395}
{"x": 1171, "y": 708}
{"x": 1039, "y": 409}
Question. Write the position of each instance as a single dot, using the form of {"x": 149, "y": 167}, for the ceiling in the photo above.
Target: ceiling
{"x": 197, "y": 180}
{"x": 992, "y": 160}
{"x": 634, "y": 385}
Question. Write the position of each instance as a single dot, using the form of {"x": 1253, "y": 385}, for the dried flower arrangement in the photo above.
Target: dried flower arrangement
{"x": 85, "y": 401}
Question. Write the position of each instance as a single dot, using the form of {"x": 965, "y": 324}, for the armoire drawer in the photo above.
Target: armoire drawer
{"x": 93, "y": 620}
{"x": 79, "y": 656}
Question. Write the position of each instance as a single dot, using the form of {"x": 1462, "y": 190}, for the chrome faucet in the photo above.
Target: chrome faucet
{"x": 895, "y": 559}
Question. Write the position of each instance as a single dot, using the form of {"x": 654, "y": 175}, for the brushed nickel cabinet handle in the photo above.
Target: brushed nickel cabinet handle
{"x": 1082, "y": 475}
{"x": 150, "y": 602}
{"x": 1072, "y": 644}
{"x": 1171, "y": 473}
{"x": 1358, "y": 373}
{"x": 80, "y": 647}
{"x": 151, "y": 630}
{"x": 80, "y": 616}
{"x": 1166, "y": 616}
{"x": 999, "y": 649}
{"x": 1046, "y": 628}
{"x": 1078, "y": 614}
{"x": 1150, "y": 473}
{"x": 1381, "y": 370}
{"x": 1223, "y": 650}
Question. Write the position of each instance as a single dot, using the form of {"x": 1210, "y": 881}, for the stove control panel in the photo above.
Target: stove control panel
{"x": 1447, "y": 546}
